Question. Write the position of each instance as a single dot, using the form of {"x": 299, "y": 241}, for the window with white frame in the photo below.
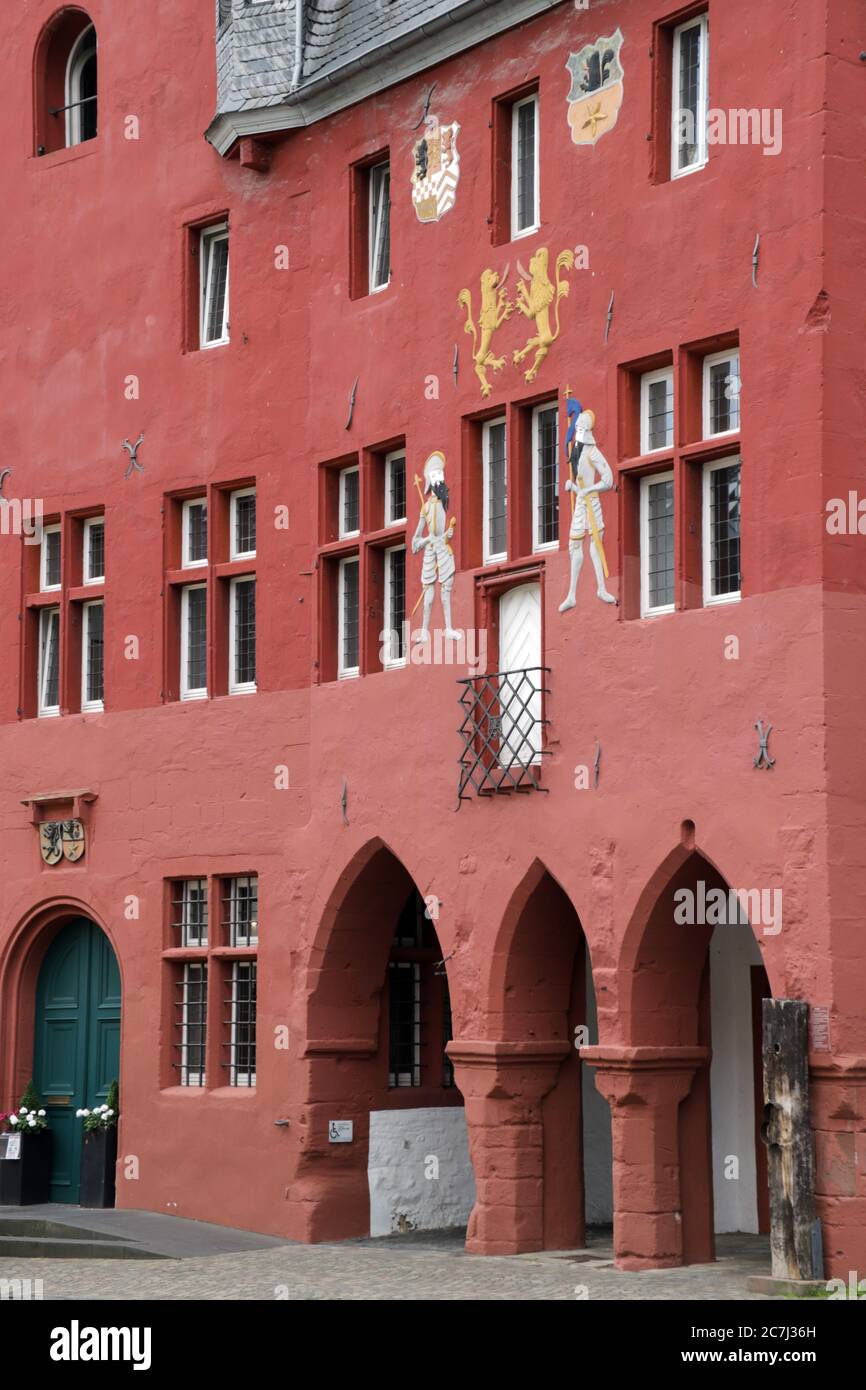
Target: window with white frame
{"x": 189, "y": 911}
{"x": 240, "y": 1023}
{"x": 657, "y": 410}
{"x": 242, "y": 636}
{"x": 395, "y": 488}
{"x": 380, "y": 226}
{"x": 657, "y": 544}
{"x": 395, "y": 606}
{"x": 721, "y": 395}
{"x": 193, "y": 642}
{"x": 721, "y": 531}
{"x": 525, "y": 175}
{"x": 214, "y": 291}
{"x": 81, "y": 89}
{"x": 689, "y": 96}
{"x": 545, "y": 477}
{"x": 93, "y": 656}
{"x": 350, "y": 502}
{"x": 93, "y": 555}
{"x": 49, "y": 559}
{"x": 190, "y": 1023}
{"x": 48, "y": 674}
{"x": 240, "y": 905}
{"x": 194, "y": 540}
{"x": 348, "y": 630}
{"x": 495, "y": 487}
{"x": 242, "y": 521}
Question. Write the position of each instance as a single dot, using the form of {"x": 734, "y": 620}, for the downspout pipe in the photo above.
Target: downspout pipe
{"x": 299, "y": 44}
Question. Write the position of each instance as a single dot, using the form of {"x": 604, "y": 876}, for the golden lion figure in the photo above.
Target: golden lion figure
{"x": 535, "y": 302}
{"x": 495, "y": 309}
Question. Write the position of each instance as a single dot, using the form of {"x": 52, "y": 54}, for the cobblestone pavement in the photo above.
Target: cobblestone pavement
{"x": 396, "y": 1268}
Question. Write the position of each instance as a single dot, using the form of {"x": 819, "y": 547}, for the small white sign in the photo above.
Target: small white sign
{"x": 340, "y": 1131}
{"x": 10, "y": 1146}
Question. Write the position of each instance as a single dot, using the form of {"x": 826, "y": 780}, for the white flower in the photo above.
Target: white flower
{"x": 31, "y": 1119}
{"x": 23, "y": 1110}
{"x": 13, "y": 1119}
{"x": 85, "y": 1112}
{"x": 42, "y": 1114}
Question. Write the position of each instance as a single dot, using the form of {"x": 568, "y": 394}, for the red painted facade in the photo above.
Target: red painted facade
{"x": 98, "y": 287}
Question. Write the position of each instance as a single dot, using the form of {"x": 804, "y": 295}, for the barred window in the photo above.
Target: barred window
{"x": 242, "y": 636}
{"x": 657, "y": 544}
{"x": 190, "y": 1023}
{"x": 194, "y": 545}
{"x": 404, "y": 995}
{"x": 395, "y": 606}
{"x": 92, "y": 657}
{"x": 94, "y": 551}
{"x": 193, "y": 642}
{"x": 657, "y": 411}
{"x": 214, "y": 259}
{"x": 189, "y": 911}
{"x": 525, "y": 208}
{"x": 419, "y": 1007}
{"x": 240, "y": 1024}
{"x": 49, "y": 662}
{"x": 380, "y": 226}
{"x": 721, "y": 393}
{"x": 395, "y": 488}
{"x": 243, "y": 524}
{"x": 240, "y": 901}
{"x": 722, "y": 531}
{"x": 350, "y": 502}
{"x": 49, "y": 577}
{"x": 545, "y": 477}
{"x": 495, "y": 482}
{"x": 348, "y": 648}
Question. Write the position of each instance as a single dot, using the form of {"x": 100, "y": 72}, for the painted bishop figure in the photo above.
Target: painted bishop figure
{"x": 591, "y": 474}
{"x": 438, "y": 563}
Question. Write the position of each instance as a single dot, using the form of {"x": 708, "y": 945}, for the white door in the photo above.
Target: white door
{"x": 520, "y": 694}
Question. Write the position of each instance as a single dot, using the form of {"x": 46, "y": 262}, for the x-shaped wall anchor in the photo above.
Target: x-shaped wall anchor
{"x": 3, "y": 476}
{"x": 132, "y": 450}
{"x": 352, "y": 398}
{"x": 597, "y": 767}
{"x": 426, "y": 112}
{"x": 763, "y": 759}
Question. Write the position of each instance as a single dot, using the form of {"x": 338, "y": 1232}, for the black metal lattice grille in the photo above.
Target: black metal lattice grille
{"x": 502, "y": 732}
{"x": 240, "y": 1024}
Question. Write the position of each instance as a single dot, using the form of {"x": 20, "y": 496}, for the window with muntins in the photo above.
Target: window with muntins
{"x": 495, "y": 484}
{"x": 214, "y": 287}
{"x": 657, "y": 544}
{"x": 545, "y": 477}
{"x": 525, "y": 188}
{"x": 380, "y": 226}
{"x": 721, "y": 531}
{"x": 689, "y": 97}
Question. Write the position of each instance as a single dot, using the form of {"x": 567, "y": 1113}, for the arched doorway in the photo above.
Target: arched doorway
{"x": 76, "y": 1048}
{"x": 378, "y": 1020}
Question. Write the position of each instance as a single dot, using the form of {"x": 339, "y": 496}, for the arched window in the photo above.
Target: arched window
{"x": 66, "y": 82}
{"x": 81, "y": 89}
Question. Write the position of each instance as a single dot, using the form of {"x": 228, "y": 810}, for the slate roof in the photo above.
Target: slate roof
{"x": 256, "y": 41}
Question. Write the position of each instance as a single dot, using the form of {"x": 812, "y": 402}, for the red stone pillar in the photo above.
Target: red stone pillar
{"x": 644, "y": 1087}
{"x": 837, "y": 1097}
{"x": 503, "y": 1086}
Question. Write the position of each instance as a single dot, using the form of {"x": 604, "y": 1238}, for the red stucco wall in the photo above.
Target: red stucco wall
{"x": 93, "y": 291}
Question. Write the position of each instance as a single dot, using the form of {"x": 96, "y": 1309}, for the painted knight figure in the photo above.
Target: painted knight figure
{"x": 438, "y": 563}
{"x": 591, "y": 474}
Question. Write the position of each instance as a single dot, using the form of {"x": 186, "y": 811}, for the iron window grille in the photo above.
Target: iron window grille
{"x": 502, "y": 732}
{"x": 404, "y": 1037}
{"x": 190, "y": 1023}
{"x": 240, "y": 910}
{"x": 240, "y": 1024}
{"x": 189, "y": 911}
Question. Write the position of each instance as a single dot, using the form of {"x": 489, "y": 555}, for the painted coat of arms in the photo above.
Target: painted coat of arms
{"x": 436, "y": 171}
{"x": 61, "y": 839}
{"x": 596, "y": 89}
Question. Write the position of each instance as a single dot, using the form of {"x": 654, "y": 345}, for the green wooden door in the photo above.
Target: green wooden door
{"x": 77, "y": 1045}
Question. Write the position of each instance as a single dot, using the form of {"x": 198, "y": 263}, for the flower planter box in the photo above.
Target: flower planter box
{"x": 98, "y": 1161}
{"x": 25, "y": 1181}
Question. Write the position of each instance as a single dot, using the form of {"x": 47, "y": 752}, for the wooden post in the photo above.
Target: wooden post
{"x": 787, "y": 1132}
